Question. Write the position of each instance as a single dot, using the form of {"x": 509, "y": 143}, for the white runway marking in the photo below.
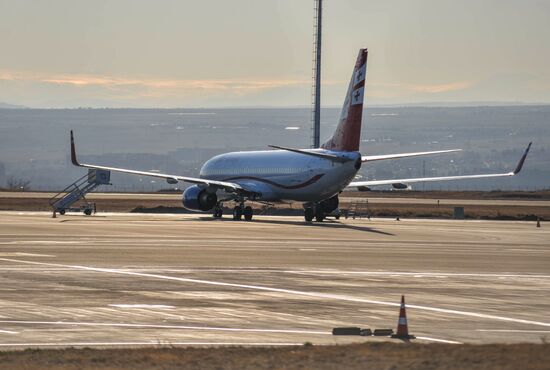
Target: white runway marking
{"x": 40, "y": 242}
{"x": 9, "y": 332}
{"x": 35, "y": 254}
{"x": 141, "y": 306}
{"x": 418, "y": 274}
{"x": 154, "y": 326}
{"x": 21, "y": 254}
{"x": 513, "y": 331}
{"x": 439, "y": 340}
{"x": 150, "y": 343}
{"x": 287, "y": 291}
{"x": 414, "y": 274}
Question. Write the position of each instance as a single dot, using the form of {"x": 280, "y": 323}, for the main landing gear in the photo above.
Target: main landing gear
{"x": 314, "y": 211}
{"x": 240, "y": 210}
{"x": 321, "y": 210}
{"x": 309, "y": 213}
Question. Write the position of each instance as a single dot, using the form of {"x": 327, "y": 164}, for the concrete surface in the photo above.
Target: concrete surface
{"x": 131, "y": 279}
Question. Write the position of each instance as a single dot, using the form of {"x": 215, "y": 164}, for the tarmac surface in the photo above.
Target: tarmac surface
{"x": 135, "y": 279}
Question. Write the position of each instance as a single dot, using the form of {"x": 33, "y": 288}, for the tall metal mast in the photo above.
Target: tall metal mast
{"x": 316, "y": 90}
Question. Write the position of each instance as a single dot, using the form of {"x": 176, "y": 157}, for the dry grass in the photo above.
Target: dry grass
{"x": 485, "y": 212}
{"x": 357, "y": 356}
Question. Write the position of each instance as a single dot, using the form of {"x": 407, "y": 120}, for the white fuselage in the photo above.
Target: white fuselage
{"x": 280, "y": 175}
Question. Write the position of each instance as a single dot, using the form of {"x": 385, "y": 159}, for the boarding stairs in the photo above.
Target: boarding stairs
{"x": 65, "y": 199}
{"x": 358, "y": 209}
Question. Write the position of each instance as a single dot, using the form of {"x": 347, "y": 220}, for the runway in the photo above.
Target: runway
{"x": 134, "y": 279}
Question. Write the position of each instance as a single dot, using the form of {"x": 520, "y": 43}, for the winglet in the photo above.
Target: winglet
{"x": 73, "y": 151}
{"x": 523, "y": 157}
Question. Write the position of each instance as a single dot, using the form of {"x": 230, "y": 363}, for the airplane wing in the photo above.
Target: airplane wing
{"x": 370, "y": 158}
{"x": 444, "y": 178}
{"x": 228, "y": 186}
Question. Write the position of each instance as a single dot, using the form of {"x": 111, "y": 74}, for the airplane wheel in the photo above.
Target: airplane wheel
{"x": 319, "y": 214}
{"x": 218, "y": 212}
{"x": 248, "y": 212}
{"x": 61, "y": 212}
{"x": 337, "y": 217}
{"x": 308, "y": 214}
{"x": 88, "y": 212}
{"x": 237, "y": 213}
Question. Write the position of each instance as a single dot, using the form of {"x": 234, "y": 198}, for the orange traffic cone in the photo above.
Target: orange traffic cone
{"x": 402, "y": 326}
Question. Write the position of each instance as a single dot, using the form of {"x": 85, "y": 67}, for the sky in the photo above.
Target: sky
{"x": 246, "y": 53}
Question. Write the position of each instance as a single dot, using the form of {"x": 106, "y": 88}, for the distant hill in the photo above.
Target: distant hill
{"x": 11, "y": 106}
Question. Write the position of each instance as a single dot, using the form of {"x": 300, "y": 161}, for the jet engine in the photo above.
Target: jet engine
{"x": 196, "y": 198}
{"x": 401, "y": 186}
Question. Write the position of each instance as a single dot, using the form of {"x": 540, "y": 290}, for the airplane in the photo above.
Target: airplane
{"x": 313, "y": 176}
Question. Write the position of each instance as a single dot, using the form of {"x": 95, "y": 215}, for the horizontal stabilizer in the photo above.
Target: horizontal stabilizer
{"x": 331, "y": 157}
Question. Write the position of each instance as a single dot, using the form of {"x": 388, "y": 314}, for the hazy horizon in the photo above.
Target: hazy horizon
{"x": 473, "y": 104}
{"x": 34, "y": 144}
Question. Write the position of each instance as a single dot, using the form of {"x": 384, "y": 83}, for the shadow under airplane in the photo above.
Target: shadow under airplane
{"x": 325, "y": 224}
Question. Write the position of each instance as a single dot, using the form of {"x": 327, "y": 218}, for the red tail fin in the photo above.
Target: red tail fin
{"x": 348, "y": 133}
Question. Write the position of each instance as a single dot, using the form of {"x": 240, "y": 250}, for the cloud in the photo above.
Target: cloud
{"x": 154, "y": 87}
{"x": 425, "y": 88}
{"x": 441, "y": 88}
{"x": 407, "y": 90}
{"x": 79, "y": 89}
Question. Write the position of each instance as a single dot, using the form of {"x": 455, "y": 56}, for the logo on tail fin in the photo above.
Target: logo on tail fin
{"x": 348, "y": 133}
